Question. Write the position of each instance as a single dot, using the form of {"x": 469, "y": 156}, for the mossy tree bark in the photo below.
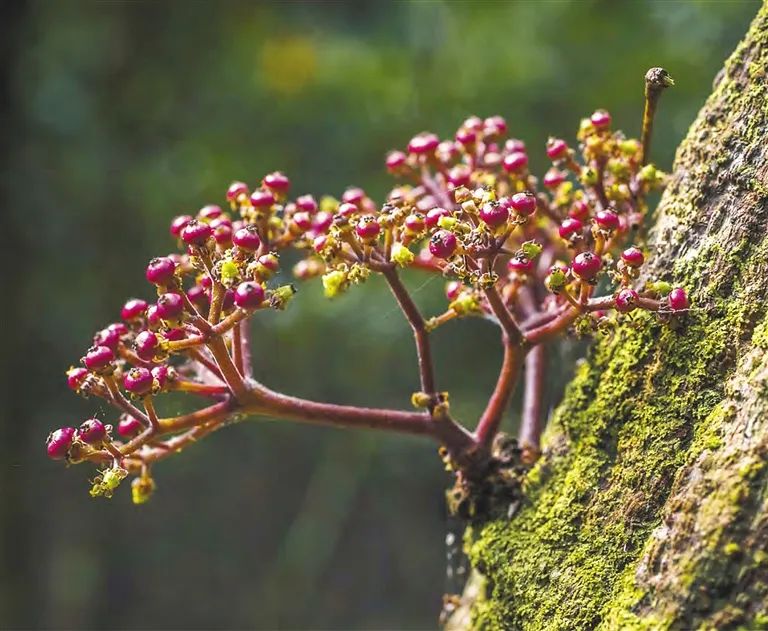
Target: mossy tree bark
{"x": 649, "y": 508}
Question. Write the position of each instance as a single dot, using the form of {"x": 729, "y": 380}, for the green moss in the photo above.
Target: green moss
{"x": 649, "y": 403}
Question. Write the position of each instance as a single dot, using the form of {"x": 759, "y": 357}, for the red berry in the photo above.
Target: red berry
{"x": 119, "y": 328}
{"x": 98, "y": 357}
{"x": 475, "y": 123}
{"x": 579, "y": 210}
{"x": 270, "y": 261}
{"x": 353, "y": 195}
{"x": 553, "y": 178}
{"x": 307, "y": 203}
{"x": 277, "y": 181}
{"x": 76, "y": 377}
{"x": 513, "y": 145}
{"x": 515, "y": 162}
{"x": 107, "y": 337}
{"x": 626, "y": 300}
{"x": 170, "y": 306}
{"x": 322, "y": 221}
{"x": 128, "y": 426}
{"x": 138, "y": 381}
{"x": 133, "y": 309}
{"x": 495, "y": 126}
{"x": 319, "y": 242}
{"x": 395, "y": 160}
{"x": 368, "y": 228}
{"x": 249, "y": 295}
{"x": 556, "y": 149}
{"x": 520, "y": 264}
{"x": 146, "y": 344}
{"x": 414, "y": 223}
{"x": 220, "y": 221}
{"x": 493, "y": 214}
{"x": 601, "y": 119}
{"x": 302, "y": 220}
{"x": 59, "y": 442}
{"x": 678, "y": 299}
{"x": 459, "y": 175}
{"x": 569, "y": 227}
{"x": 466, "y": 136}
{"x": 453, "y": 289}
{"x": 443, "y": 244}
{"x": 607, "y": 219}
{"x": 423, "y": 143}
{"x": 177, "y": 225}
{"x": 160, "y": 270}
{"x": 153, "y": 317}
{"x": 209, "y": 212}
{"x": 196, "y": 233}
{"x": 347, "y": 210}
{"x": 160, "y": 375}
{"x": 433, "y": 216}
{"x": 198, "y": 296}
{"x": 633, "y": 257}
{"x": 175, "y": 334}
{"x": 222, "y": 235}
{"x": 92, "y": 431}
{"x": 247, "y": 238}
{"x": 262, "y": 199}
{"x": 235, "y": 190}
{"x": 586, "y": 265}
{"x": 523, "y": 203}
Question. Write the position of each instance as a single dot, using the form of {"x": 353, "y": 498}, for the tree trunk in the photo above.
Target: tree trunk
{"x": 649, "y": 508}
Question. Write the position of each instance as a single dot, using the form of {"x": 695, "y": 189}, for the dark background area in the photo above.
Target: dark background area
{"x": 117, "y": 116}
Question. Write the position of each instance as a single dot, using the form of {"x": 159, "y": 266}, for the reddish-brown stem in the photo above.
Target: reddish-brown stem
{"x": 245, "y": 349}
{"x": 237, "y": 349}
{"x": 197, "y": 355}
{"x": 193, "y": 387}
{"x": 420, "y": 334}
{"x": 229, "y": 372}
{"x": 504, "y": 316}
{"x": 118, "y": 399}
{"x": 532, "y": 421}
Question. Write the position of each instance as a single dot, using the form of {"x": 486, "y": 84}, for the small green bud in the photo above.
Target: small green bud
{"x": 420, "y": 400}
{"x": 401, "y": 255}
{"x": 229, "y": 273}
{"x": 661, "y": 287}
{"x": 328, "y": 204}
{"x": 280, "y": 297}
{"x": 556, "y": 280}
{"x": 588, "y": 176}
{"x": 531, "y": 249}
{"x": 447, "y": 223}
{"x": 142, "y": 489}
{"x": 334, "y": 283}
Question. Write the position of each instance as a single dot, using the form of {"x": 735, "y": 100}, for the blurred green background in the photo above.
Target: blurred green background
{"x": 117, "y": 116}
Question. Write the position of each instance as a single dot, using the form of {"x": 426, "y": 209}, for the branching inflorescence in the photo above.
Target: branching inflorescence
{"x": 528, "y": 255}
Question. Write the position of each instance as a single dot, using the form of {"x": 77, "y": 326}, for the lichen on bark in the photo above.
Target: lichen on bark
{"x": 649, "y": 508}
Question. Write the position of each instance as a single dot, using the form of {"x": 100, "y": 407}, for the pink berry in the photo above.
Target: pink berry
{"x": 133, "y": 309}
{"x": 453, "y": 289}
{"x": 174, "y": 334}
{"x": 170, "y": 306}
{"x": 523, "y": 203}
{"x": 128, "y": 426}
{"x": 307, "y": 203}
{"x": 196, "y": 233}
{"x": 586, "y": 265}
{"x": 368, "y": 228}
{"x": 678, "y": 299}
{"x": 475, "y": 123}
{"x": 459, "y": 175}
{"x": 434, "y": 215}
{"x": 222, "y": 235}
{"x": 138, "y": 381}
{"x": 146, "y": 344}
{"x": 160, "y": 270}
{"x": 107, "y": 337}
{"x": 198, "y": 296}
{"x": 319, "y": 243}
{"x": 119, "y": 328}
{"x": 395, "y": 160}
{"x": 579, "y": 210}
{"x": 153, "y": 317}
{"x": 607, "y": 219}
{"x": 515, "y": 162}
{"x": 553, "y": 178}
{"x": 493, "y": 214}
{"x": 92, "y": 431}
{"x": 601, "y": 119}
{"x": 347, "y": 209}
{"x": 220, "y": 221}
{"x": 322, "y": 221}
{"x": 302, "y": 220}
{"x": 626, "y": 300}
{"x": 466, "y": 137}
{"x": 235, "y": 190}
{"x": 76, "y": 377}
{"x": 98, "y": 358}
{"x": 633, "y": 257}
{"x": 569, "y": 227}
{"x": 423, "y": 143}
{"x": 557, "y": 148}
{"x": 270, "y": 261}
{"x": 177, "y": 225}
{"x": 277, "y": 181}
{"x": 443, "y": 244}
{"x": 59, "y": 442}
{"x": 161, "y": 375}
{"x": 209, "y": 212}
{"x": 262, "y": 199}
{"x": 414, "y": 223}
{"x": 520, "y": 264}
{"x": 249, "y": 295}
{"x": 514, "y": 145}
{"x": 495, "y": 125}
{"x": 353, "y": 195}
{"x": 247, "y": 238}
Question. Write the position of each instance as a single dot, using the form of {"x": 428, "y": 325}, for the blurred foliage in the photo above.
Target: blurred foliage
{"x": 120, "y": 115}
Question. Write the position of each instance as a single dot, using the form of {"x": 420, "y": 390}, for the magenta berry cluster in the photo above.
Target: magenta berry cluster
{"x": 526, "y": 253}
